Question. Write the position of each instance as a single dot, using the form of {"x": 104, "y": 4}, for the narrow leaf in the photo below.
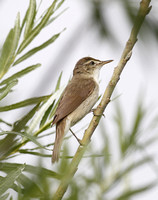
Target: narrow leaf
{"x": 59, "y": 4}
{"x": 46, "y": 115}
{"x": 20, "y": 74}
{"x": 58, "y": 82}
{"x": 24, "y": 21}
{"x": 3, "y": 88}
{"x": 10, "y": 179}
{"x": 37, "y": 49}
{"x": 14, "y": 186}
{"x": 26, "y": 135}
{"x": 6, "y": 167}
{"x": 9, "y": 48}
{"x": 31, "y": 185}
{"x": 54, "y": 109}
{"x": 21, "y": 124}
{"x": 54, "y": 18}
{"x": 35, "y": 153}
{"x": 119, "y": 123}
{"x": 8, "y": 89}
{"x": 24, "y": 103}
{"x": 5, "y": 197}
{"x": 38, "y": 28}
{"x": 135, "y": 165}
{"x": 2, "y": 121}
{"x": 131, "y": 193}
{"x": 137, "y": 122}
{"x": 30, "y": 18}
{"x": 42, "y": 110}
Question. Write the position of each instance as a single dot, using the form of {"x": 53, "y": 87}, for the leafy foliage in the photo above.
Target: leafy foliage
{"x": 23, "y": 131}
{"x": 99, "y": 18}
{"x": 102, "y": 176}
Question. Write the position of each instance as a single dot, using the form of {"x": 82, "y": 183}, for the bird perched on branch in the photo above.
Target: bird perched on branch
{"x": 78, "y": 98}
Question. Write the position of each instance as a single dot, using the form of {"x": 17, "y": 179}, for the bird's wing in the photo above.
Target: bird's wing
{"x": 74, "y": 94}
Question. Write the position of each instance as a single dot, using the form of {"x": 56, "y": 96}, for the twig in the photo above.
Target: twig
{"x": 143, "y": 11}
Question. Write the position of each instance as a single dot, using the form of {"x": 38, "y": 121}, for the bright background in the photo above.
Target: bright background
{"x": 82, "y": 38}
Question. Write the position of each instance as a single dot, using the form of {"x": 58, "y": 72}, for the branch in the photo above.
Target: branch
{"x": 143, "y": 11}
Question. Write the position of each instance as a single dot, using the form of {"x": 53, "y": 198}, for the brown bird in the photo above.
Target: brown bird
{"x": 78, "y": 98}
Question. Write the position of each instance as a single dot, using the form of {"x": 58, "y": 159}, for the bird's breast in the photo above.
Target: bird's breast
{"x": 85, "y": 107}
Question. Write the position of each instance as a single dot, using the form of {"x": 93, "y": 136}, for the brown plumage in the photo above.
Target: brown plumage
{"x": 74, "y": 94}
{"x": 77, "y": 100}
{"x": 70, "y": 100}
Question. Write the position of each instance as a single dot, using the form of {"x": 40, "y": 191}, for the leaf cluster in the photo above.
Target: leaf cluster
{"x": 37, "y": 119}
{"x": 99, "y": 18}
{"x": 109, "y": 172}
{"x": 102, "y": 176}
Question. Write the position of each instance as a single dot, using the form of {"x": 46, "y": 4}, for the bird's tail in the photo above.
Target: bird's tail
{"x": 61, "y": 129}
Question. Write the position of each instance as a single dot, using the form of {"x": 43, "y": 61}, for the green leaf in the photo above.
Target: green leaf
{"x": 21, "y": 124}
{"x": 54, "y": 18}
{"x": 57, "y": 87}
{"x": 118, "y": 118}
{"x": 135, "y": 165}
{"x": 25, "y": 135}
{"x": 8, "y": 89}
{"x": 48, "y": 111}
{"x": 6, "y": 167}
{"x": 4, "y": 197}
{"x": 24, "y": 103}
{"x": 37, "y": 49}
{"x": 24, "y": 21}
{"x": 42, "y": 110}
{"x": 11, "y": 178}
{"x": 59, "y": 4}
{"x": 9, "y": 48}
{"x": 31, "y": 12}
{"x": 38, "y": 28}
{"x": 137, "y": 122}
{"x": 120, "y": 174}
{"x": 46, "y": 115}
{"x": 106, "y": 141}
{"x": 45, "y": 135}
{"x": 20, "y": 73}
{"x": 14, "y": 186}
{"x": 8, "y": 143}
{"x": 35, "y": 153}
{"x": 31, "y": 185}
{"x": 54, "y": 109}
{"x": 58, "y": 82}
{"x": 3, "y": 88}
{"x": 2, "y": 121}
{"x": 131, "y": 193}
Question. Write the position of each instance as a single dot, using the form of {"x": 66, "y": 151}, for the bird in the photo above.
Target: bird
{"x": 77, "y": 100}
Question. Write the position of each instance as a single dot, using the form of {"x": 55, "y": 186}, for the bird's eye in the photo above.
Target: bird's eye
{"x": 92, "y": 63}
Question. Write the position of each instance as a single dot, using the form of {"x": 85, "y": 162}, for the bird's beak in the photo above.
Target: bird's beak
{"x": 105, "y": 62}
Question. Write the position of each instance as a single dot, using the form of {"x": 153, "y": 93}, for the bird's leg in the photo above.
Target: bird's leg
{"x": 79, "y": 141}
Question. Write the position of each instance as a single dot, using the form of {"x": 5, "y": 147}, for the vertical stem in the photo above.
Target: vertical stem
{"x": 143, "y": 11}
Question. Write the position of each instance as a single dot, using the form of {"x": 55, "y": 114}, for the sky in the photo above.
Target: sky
{"x": 139, "y": 78}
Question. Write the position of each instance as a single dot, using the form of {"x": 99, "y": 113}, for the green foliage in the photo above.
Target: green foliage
{"x": 24, "y": 103}
{"x": 99, "y": 18}
{"x": 26, "y": 186}
{"x": 109, "y": 175}
{"x": 16, "y": 135}
{"x": 20, "y": 74}
{"x": 36, "y": 49}
{"x": 100, "y": 175}
{"x": 11, "y": 177}
{"x": 9, "y": 48}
